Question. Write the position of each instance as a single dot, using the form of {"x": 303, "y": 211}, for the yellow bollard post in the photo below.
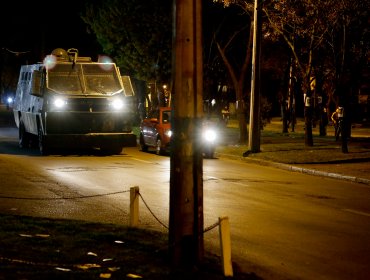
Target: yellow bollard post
{"x": 225, "y": 243}
{"x": 134, "y": 206}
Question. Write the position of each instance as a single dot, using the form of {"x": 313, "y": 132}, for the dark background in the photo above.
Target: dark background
{"x": 38, "y": 27}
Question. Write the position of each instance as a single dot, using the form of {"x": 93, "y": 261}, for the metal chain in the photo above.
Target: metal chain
{"x": 211, "y": 227}
{"x": 205, "y": 230}
{"x": 59, "y": 198}
{"x": 152, "y": 211}
{"x": 99, "y": 195}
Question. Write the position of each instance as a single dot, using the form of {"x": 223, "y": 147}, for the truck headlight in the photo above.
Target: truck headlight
{"x": 59, "y": 103}
{"x": 117, "y": 104}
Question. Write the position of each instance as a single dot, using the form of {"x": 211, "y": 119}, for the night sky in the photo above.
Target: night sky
{"x": 38, "y": 27}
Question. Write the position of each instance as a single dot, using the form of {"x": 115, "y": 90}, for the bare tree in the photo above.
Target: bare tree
{"x": 303, "y": 26}
{"x": 238, "y": 72}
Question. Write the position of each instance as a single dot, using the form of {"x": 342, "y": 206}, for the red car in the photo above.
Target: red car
{"x": 155, "y": 132}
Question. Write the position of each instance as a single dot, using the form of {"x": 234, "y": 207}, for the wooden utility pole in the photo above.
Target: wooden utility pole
{"x": 254, "y": 120}
{"x": 186, "y": 176}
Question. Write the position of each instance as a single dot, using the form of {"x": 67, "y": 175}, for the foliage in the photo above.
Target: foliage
{"x": 234, "y": 40}
{"x": 347, "y": 45}
{"x": 329, "y": 40}
{"x": 234, "y": 48}
{"x": 136, "y": 34}
{"x": 323, "y": 36}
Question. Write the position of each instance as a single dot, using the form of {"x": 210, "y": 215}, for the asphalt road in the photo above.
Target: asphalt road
{"x": 284, "y": 225}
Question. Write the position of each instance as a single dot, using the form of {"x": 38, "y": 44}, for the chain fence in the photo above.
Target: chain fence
{"x": 102, "y": 195}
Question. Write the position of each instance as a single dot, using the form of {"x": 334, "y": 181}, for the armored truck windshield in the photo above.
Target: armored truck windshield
{"x": 84, "y": 78}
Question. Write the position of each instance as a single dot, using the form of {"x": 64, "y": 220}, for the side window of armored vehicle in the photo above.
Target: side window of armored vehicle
{"x": 26, "y": 77}
{"x": 26, "y": 80}
{"x": 35, "y": 79}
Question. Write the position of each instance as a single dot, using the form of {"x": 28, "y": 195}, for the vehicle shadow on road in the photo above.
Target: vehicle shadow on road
{"x": 12, "y": 148}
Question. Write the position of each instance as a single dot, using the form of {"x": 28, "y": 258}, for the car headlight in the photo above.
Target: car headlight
{"x": 209, "y": 135}
{"x": 168, "y": 132}
{"x": 117, "y": 104}
{"x": 59, "y": 103}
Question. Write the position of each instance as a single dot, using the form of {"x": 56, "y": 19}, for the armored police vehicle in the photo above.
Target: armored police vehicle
{"x": 71, "y": 101}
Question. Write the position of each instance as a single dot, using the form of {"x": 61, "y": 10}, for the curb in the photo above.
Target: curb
{"x": 298, "y": 169}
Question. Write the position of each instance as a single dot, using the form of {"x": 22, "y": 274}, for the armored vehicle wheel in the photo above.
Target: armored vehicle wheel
{"x": 24, "y": 137}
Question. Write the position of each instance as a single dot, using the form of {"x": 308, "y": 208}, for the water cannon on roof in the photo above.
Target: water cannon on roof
{"x": 73, "y": 54}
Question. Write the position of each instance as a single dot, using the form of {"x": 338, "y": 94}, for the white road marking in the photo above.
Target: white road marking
{"x": 357, "y": 212}
{"x": 212, "y": 178}
{"x": 145, "y": 161}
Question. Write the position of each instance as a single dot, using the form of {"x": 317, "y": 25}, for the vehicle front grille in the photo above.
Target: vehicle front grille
{"x": 87, "y": 122}
{"x": 88, "y": 104}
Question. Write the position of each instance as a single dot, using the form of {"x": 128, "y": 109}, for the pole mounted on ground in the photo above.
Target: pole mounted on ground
{"x": 186, "y": 175}
{"x": 254, "y": 120}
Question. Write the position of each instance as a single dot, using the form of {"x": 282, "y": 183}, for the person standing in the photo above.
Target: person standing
{"x": 340, "y": 125}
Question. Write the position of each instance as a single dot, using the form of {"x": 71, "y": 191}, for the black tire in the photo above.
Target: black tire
{"x": 143, "y": 147}
{"x": 114, "y": 150}
{"x": 209, "y": 152}
{"x": 42, "y": 145}
{"x": 24, "y": 137}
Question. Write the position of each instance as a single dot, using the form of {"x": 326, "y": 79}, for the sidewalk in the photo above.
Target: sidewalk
{"x": 288, "y": 151}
